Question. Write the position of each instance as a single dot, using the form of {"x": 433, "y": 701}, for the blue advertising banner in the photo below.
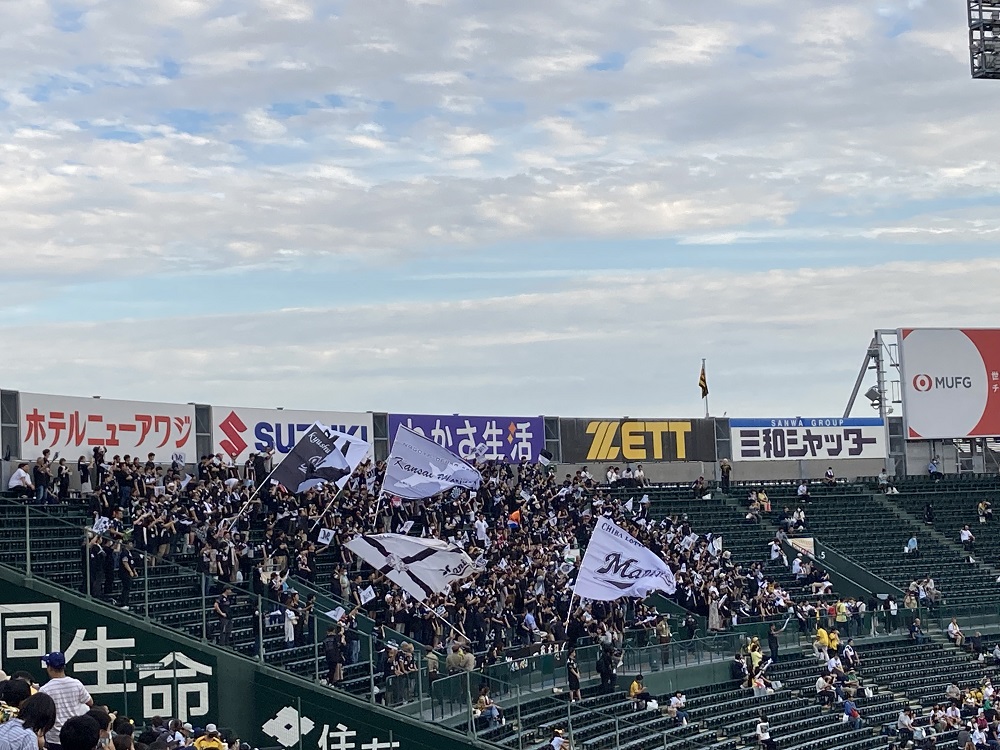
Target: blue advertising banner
{"x": 802, "y": 438}
{"x": 483, "y": 438}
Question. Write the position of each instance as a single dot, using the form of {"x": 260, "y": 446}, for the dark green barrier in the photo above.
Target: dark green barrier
{"x": 141, "y": 670}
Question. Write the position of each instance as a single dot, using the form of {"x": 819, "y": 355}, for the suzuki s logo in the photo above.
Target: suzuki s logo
{"x": 233, "y": 428}
{"x": 923, "y": 383}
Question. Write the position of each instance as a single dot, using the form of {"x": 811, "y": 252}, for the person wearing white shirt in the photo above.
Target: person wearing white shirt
{"x": 803, "y": 491}
{"x": 640, "y": 476}
{"x": 955, "y": 634}
{"x": 978, "y": 737}
{"x": 481, "y": 528}
{"x": 763, "y": 732}
{"x": 967, "y": 538}
{"x": 20, "y": 482}
{"x": 677, "y": 702}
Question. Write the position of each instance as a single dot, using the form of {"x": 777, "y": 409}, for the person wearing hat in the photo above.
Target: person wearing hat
{"x": 70, "y": 696}
{"x": 211, "y": 740}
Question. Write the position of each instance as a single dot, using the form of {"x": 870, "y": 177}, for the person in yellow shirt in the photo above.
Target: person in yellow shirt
{"x": 821, "y": 644}
{"x": 211, "y": 740}
{"x": 638, "y": 693}
{"x": 835, "y": 640}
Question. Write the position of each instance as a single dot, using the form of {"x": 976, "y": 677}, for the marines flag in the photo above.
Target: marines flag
{"x": 617, "y": 565}
{"x": 421, "y": 567}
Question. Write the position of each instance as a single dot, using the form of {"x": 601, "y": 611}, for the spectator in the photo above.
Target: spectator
{"x": 883, "y": 481}
{"x": 79, "y": 733}
{"x": 904, "y": 725}
{"x": 803, "y": 492}
{"x": 955, "y": 633}
{"x": 488, "y": 708}
{"x": 763, "y": 733}
{"x": 20, "y": 482}
{"x": 967, "y": 538}
{"x": 41, "y": 477}
{"x": 934, "y": 470}
{"x": 606, "y": 669}
{"x": 573, "y": 676}
{"x": 699, "y": 488}
{"x": 222, "y": 609}
{"x": 985, "y": 511}
{"x": 333, "y": 650}
{"x": 127, "y": 573}
{"x": 829, "y": 477}
{"x": 211, "y": 740}
{"x": 825, "y": 693}
{"x": 678, "y": 702}
{"x": 69, "y": 695}
{"x": 772, "y": 640}
{"x": 911, "y": 546}
{"x": 852, "y": 714}
{"x": 725, "y": 475}
{"x": 638, "y": 693}
{"x": 558, "y": 741}
{"x": 36, "y": 715}
{"x": 916, "y": 632}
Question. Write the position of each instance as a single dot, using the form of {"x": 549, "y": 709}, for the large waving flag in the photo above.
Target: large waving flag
{"x": 419, "y": 468}
{"x": 421, "y": 567}
{"x": 617, "y": 565}
{"x": 321, "y": 455}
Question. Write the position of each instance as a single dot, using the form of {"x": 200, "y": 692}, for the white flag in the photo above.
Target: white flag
{"x": 102, "y": 524}
{"x": 326, "y": 536}
{"x": 421, "y": 567}
{"x": 367, "y": 594}
{"x": 616, "y": 565}
{"x": 628, "y": 505}
{"x": 419, "y": 468}
{"x": 370, "y": 477}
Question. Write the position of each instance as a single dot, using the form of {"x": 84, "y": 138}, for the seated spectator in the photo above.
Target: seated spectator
{"x": 829, "y": 477}
{"x": 955, "y": 633}
{"x": 967, "y": 538}
{"x": 803, "y": 492}
{"x": 699, "y": 488}
{"x": 678, "y": 702}
{"x": 20, "y": 482}
{"x": 911, "y": 546}
{"x": 850, "y": 656}
{"x": 798, "y": 520}
{"x": 488, "y": 708}
{"x": 825, "y": 693}
{"x": 985, "y": 511}
{"x": 638, "y": 693}
{"x": 916, "y": 632}
{"x": 852, "y": 714}
{"x": 904, "y": 726}
{"x": 976, "y": 644}
{"x": 80, "y": 733}
{"x": 928, "y": 514}
{"x": 934, "y": 470}
{"x": 33, "y": 716}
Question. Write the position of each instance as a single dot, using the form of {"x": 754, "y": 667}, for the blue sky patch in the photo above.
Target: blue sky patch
{"x": 611, "y": 61}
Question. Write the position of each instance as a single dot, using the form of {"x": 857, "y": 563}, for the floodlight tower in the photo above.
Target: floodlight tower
{"x": 984, "y": 38}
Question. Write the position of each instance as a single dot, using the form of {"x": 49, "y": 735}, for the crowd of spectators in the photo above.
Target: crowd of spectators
{"x": 59, "y": 714}
{"x": 526, "y": 527}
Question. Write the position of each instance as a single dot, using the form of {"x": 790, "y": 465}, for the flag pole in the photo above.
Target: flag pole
{"x": 703, "y": 372}
{"x": 446, "y": 622}
{"x": 327, "y": 509}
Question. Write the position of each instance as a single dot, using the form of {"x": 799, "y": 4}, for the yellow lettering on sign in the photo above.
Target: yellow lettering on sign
{"x": 609, "y": 451}
{"x": 599, "y": 430}
{"x": 681, "y": 430}
{"x": 633, "y": 441}
{"x": 657, "y": 430}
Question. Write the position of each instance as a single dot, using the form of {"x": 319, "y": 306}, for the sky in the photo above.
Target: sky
{"x": 499, "y": 207}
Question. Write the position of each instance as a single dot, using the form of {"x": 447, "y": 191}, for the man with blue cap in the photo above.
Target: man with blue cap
{"x": 68, "y": 693}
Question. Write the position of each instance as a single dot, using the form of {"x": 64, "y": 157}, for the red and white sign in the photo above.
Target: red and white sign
{"x": 76, "y": 425}
{"x": 951, "y": 382}
{"x": 237, "y": 432}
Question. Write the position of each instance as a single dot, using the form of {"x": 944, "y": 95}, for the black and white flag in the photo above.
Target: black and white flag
{"x": 321, "y": 456}
{"x": 418, "y": 467}
{"x": 421, "y": 567}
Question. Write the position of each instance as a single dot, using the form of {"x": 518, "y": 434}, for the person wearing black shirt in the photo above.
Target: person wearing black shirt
{"x": 126, "y": 572}
{"x": 222, "y": 608}
{"x": 333, "y": 649}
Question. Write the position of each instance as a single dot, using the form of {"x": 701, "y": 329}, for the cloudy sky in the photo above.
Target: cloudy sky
{"x": 489, "y": 207}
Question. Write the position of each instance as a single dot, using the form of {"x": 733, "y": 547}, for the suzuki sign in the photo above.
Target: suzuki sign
{"x": 951, "y": 382}
{"x": 238, "y": 432}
